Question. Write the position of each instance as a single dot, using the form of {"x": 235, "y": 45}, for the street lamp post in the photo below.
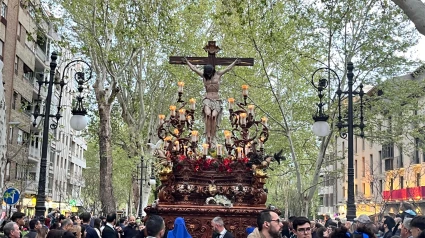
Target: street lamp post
{"x": 40, "y": 207}
{"x": 321, "y": 127}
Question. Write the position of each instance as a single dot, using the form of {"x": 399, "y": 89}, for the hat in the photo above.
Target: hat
{"x": 406, "y": 223}
{"x": 17, "y": 215}
{"x": 363, "y": 219}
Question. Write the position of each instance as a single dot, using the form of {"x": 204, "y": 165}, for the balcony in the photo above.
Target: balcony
{"x": 415, "y": 193}
{"x": 40, "y": 54}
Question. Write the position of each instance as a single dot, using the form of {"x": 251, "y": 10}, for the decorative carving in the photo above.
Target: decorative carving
{"x": 190, "y": 175}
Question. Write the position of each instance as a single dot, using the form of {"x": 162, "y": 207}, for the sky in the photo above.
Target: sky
{"x": 421, "y": 48}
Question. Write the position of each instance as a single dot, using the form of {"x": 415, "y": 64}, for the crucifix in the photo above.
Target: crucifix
{"x": 212, "y": 105}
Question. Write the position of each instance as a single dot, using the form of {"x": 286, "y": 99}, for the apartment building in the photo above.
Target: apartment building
{"x": 384, "y": 174}
{"x": 25, "y": 48}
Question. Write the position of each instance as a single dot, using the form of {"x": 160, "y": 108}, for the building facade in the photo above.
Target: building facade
{"x": 384, "y": 174}
{"x": 25, "y": 48}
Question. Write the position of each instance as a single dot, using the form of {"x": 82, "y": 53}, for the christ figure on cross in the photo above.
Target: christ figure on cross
{"x": 212, "y": 105}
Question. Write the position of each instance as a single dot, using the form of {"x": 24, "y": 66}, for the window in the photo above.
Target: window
{"x": 31, "y": 10}
{"x": 371, "y": 164}
{"x": 16, "y": 64}
{"x": 418, "y": 179}
{"x": 3, "y": 10}
{"x": 1, "y": 49}
{"x": 26, "y": 137}
{"x": 343, "y": 149}
{"x": 363, "y": 167}
{"x": 356, "y": 190}
{"x": 18, "y": 32}
{"x": 364, "y": 188}
{"x": 25, "y": 106}
{"x": 363, "y": 143}
{"x": 20, "y": 137}
{"x": 371, "y": 143}
{"x": 401, "y": 182}
{"x": 391, "y": 184}
{"x": 389, "y": 165}
{"x": 14, "y": 100}
{"x": 388, "y": 151}
{"x": 28, "y": 74}
{"x": 331, "y": 200}
{"x": 371, "y": 187}
{"x": 355, "y": 169}
{"x": 381, "y": 185}
{"x": 380, "y": 162}
{"x": 10, "y": 134}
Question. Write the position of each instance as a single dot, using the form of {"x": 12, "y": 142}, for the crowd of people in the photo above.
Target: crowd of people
{"x": 56, "y": 225}
{"x": 268, "y": 225}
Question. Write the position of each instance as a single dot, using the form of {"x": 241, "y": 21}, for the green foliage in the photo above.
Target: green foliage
{"x": 132, "y": 41}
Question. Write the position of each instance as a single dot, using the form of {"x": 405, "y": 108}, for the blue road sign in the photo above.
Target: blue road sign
{"x": 11, "y": 196}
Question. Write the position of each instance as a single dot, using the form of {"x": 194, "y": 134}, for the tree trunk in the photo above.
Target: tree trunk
{"x": 414, "y": 9}
{"x": 3, "y": 131}
{"x": 105, "y": 152}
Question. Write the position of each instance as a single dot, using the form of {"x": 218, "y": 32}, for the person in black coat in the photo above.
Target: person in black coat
{"x": 110, "y": 231}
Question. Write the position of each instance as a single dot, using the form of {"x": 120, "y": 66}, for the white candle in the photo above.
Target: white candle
{"x": 182, "y": 114}
{"x": 243, "y": 118}
{"x": 251, "y": 110}
{"x": 173, "y": 110}
{"x": 219, "y": 150}
{"x": 192, "y": 102}
{"x": 245, "y": 90}
{"x": 194, "y": 136}
{"x": 205, "y": 148}
{"x": 161, "y": 118}
{"x": 181, "y": 85}
{"x": 231, "y": 102}
{"x": 227, "y": 135}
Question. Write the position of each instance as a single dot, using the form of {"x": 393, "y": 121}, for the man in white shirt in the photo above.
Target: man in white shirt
{"x": 219, "y": 230}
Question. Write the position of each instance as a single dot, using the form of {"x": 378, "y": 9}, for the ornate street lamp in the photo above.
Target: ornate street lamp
{"x": 321, "y": 127}
{"x": 78, "y": 111}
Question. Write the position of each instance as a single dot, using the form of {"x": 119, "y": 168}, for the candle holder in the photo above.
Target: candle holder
{"x": 180, "y": 94}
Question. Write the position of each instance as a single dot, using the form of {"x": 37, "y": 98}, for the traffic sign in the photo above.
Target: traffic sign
{"x": 11, "y": 196}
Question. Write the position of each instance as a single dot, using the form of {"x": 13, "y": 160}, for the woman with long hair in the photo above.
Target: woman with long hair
{"x": 96, "y": 225}
{"x": 42, "y": 232}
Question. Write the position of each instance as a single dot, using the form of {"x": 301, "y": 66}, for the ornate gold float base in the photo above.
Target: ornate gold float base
{"x": 198, "y": 218}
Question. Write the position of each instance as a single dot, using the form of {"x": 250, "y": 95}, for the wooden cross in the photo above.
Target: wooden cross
{"x": 212, "y": 49}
